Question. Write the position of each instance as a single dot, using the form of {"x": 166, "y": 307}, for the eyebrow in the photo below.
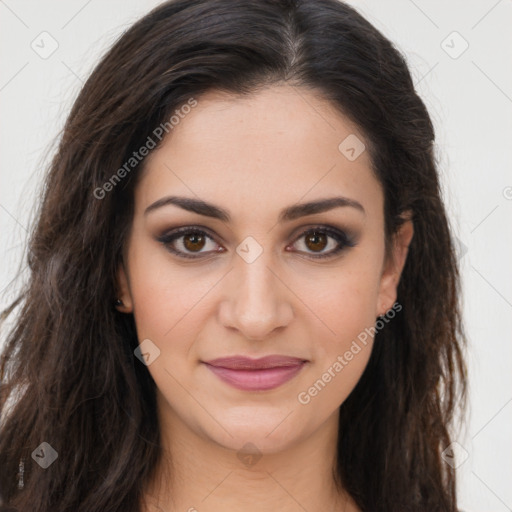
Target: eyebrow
{"x": 287, "y": 214}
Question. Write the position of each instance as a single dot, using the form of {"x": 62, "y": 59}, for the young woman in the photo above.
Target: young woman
{"x": 243, "y": 290}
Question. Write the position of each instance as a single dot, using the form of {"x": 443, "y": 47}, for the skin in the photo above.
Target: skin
{"x": 255, "y": 156}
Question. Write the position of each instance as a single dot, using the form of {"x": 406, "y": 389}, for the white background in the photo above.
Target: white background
{"x": 469, "y": 98}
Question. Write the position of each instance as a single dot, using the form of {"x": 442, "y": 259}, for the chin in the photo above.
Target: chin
{"x": 270, "y": 431}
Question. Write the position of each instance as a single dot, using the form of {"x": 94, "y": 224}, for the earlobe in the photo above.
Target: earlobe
{"x": 123, "y": 301}
{"x": 394, "y": 265}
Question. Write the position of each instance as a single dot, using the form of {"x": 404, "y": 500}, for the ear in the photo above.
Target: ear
{"x": 123, "y": 291}
{"x": 393, "y": 266}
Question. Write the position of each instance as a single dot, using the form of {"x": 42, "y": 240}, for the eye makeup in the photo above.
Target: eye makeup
{"x": 174, "y": 241}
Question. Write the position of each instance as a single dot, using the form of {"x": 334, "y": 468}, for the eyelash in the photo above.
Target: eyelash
{"x": 341, "y": 237}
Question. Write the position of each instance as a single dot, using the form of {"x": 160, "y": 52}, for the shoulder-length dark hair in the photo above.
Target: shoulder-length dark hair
{"x": 68, "y": 362}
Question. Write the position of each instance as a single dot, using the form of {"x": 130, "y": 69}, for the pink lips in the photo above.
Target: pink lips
{"x": 256, "y": 374}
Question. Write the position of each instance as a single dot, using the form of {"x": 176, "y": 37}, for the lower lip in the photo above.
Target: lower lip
{"x": 256, "y": 380}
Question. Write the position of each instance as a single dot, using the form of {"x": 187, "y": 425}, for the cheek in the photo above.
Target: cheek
{"x": 346, "y": 300}
{"x": 166, "y": 296}
{"x": 169, "y": 311}
{"x": 346, "y": 305}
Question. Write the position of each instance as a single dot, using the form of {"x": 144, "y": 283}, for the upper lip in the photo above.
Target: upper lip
{"x": 246, "y": 363}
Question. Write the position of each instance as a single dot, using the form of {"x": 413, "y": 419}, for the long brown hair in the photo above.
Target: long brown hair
{"x": 68, "y": 364}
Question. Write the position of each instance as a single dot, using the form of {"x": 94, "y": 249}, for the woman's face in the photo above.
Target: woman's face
{"x": 249, "y": 281}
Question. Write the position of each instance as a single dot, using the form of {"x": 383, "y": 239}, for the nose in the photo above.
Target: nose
{"x": 258, "y": 302}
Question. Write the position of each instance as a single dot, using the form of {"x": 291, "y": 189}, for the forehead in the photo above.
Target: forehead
{"x": 272, "y": 148}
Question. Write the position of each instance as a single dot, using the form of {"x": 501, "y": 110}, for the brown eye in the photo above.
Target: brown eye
{"x": 194, "y": 242}
{"x": 316, "y": 241}
{"x": 188, "y": 242}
